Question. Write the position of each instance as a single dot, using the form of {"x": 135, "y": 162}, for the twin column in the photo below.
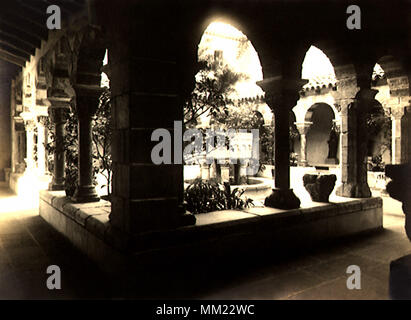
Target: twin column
{"x": 281, "y": 96}
{"x": 87, "y": 100}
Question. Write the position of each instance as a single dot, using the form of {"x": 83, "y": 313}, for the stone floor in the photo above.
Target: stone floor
{"x": 28, "y": 245}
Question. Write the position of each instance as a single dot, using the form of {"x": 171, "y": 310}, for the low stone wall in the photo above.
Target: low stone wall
{"x": 216, "y": 235}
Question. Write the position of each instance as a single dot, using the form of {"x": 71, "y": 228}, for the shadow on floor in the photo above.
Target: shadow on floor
{"x": 28, "y": 245}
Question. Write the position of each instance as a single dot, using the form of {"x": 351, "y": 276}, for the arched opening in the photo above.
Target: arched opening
{"x": 387, "y": 121}
{"x": 316, "y": 115}
{"x": 225, "y": 97}
{"x": 322, "y": 141}
{"x": 230, "y": 70}
{"x": 317, "y": 69}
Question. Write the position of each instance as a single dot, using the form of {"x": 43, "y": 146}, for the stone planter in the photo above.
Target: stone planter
{"x": 319, "y": 186}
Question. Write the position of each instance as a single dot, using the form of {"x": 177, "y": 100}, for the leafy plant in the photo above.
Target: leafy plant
{"x": 202, "y": 197}
{"x": 101, "y": 134}
{"x": 379, "y": 122}
{"x": 376, "y": 164}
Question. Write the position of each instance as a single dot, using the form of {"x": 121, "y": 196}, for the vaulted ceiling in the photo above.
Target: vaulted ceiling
{"x": 23, "y": 26}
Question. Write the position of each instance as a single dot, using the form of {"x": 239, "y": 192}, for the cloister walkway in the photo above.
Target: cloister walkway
{"x": 28, "y": 245}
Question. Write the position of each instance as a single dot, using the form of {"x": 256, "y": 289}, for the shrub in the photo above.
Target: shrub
{"x": 202, "y": 197}
{"x": 376, "y": 164}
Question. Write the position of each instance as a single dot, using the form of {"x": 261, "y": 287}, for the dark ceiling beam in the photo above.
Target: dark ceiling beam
{"x": 65, "y": 12}
{"x": 67, "y": 4}
{"x": 36, "y": 18}
{"x": 14, "y": 52}
{"x": 4, "y": 55}
{"x": 18, "y": 48}
{"x": 36, "y": 5}
{"x": 26, "y": 4}
{"x": 24, "y": 26}
{"x": 21, "y": 35}
{"x": 14, "y": 41}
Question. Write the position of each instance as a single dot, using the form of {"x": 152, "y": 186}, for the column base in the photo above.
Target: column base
{"x": 303, "y": 163}
{"x": 353, "y": 190}
{"x": 184, "y": 218}
{"x": 56, "y": 186}
{"x": 331, "y": 161}
{"x": 282, "y": 199}
{"x": 146, "y": 215}
{"x": 85, "y": 194}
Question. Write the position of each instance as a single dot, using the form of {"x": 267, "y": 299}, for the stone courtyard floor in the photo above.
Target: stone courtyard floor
{"x": 28, "y": 245}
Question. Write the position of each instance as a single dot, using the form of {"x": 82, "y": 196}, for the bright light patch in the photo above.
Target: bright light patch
{"x": 105, "y": 60}
{"x": 378, "y": 72}
{"x": 317, "y": 67}
{"x": 237, "y": 52}
{"x": 105, "y": 82}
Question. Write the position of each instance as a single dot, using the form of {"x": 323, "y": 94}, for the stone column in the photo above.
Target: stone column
{"x": 41, "y": 141}
{"x": 30, "y": 162}
{"x": 58, "y": 116}
{"x": 354, "y": 145}
{"x": 205, "y": 171}
{"x": 87, "y": 99}
{"x": 398, "y": 137}
{"x": 281, "y": 96}
{"x": 225, "y": 172}
{"x": 303, "y": 128}
{"x": 146, "y": 196}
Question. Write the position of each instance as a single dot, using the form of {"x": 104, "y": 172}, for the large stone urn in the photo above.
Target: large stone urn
{"x": 319, "y": 186}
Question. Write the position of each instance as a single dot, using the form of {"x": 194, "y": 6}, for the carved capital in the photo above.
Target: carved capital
{"x": 397, "y": 113}
{"x": 58, "y": 115}
{"x": 87, "y": 100}
{"x": 42, "y": 120}
{"x": 30, "y": 125}
{"x": 336, "y": 126}
{"x": 281, "y": 93}
{"x": 303, "y": 127}
{"x": 366, "y": 94}
{"x": 365, "y": 99}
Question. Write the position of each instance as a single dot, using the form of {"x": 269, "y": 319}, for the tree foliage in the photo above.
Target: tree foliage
{"x": 214, "y": 82}
{"x": 102, "y": 133}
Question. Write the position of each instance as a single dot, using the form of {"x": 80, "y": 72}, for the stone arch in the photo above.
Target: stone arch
{"x": 339, "y": 57}
{"x": 196, "y": 21}
{"x": 397, "y": 78}
{"x": 310, "y": 111}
